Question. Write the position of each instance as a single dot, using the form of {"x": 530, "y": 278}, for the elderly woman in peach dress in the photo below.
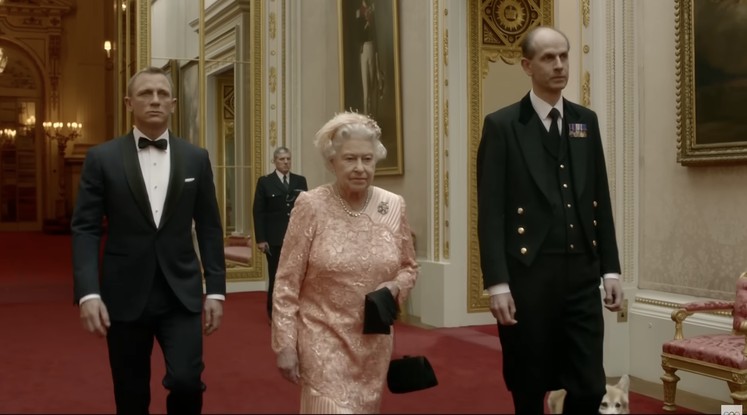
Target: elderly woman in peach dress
{"x": 344, "y": 240}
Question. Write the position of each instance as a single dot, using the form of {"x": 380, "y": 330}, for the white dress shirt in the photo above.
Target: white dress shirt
{"x": 281, "y": 175}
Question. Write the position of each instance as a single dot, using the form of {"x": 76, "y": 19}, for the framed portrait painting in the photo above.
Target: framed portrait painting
{"x": 369, "y": 71}
{"x": 712, "y": 81}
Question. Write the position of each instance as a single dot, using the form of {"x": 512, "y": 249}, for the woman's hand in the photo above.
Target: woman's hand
{"x": 393, "y": 288}
{"x": 287, "y": 362}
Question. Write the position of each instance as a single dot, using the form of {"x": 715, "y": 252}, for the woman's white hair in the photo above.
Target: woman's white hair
{"x": 341, "y": 127}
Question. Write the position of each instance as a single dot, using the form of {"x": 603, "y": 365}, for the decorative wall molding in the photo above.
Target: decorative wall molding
{"x": 274, "y": 54}
{"x": 629, "y": 145}
{"x": 436, "y": 114}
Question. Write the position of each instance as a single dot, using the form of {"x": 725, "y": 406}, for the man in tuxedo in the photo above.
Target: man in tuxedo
{"x": 547, "y": 236}
{"x": 274, "y": 197}
{"x": 150, "y": 186}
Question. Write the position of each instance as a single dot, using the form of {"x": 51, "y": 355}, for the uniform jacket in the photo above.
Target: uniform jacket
{"x": 514, "y": 188}
{"x": 273, "y": 204}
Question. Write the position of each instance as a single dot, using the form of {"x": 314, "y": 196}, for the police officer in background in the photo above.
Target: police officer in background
{"x": 273, "y": 201}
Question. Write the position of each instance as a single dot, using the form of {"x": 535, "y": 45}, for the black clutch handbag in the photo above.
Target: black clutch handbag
{"x": 410, "y": 374}
{"x": 379, "y": 312}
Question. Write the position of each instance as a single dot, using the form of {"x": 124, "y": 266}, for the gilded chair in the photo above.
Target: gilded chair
{"x": 719, "y": 356}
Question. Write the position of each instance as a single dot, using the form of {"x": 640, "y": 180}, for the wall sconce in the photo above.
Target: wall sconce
{"x": 7, "y": 136}
{"x": 108, "y": 49}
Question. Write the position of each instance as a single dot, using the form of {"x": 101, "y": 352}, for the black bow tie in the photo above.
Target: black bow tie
{"x": 159, "y": 144}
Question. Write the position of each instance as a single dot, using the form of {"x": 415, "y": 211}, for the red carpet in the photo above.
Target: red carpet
{"x": 50, "y": 365}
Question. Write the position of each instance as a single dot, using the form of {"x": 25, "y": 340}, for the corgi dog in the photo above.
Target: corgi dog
{"x": 615, "y": 401}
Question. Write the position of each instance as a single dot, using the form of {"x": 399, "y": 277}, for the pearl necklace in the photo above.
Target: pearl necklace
{"x": 347, "y": 209}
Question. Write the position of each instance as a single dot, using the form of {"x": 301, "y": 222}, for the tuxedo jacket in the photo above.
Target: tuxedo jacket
{"x": 112, "y": 187}
{"x": 514, "y": 188}
{"x": 273, "y": 204}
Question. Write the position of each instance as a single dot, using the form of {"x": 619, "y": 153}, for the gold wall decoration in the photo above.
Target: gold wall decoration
{"x": 446, "y": 47}
{"x": 503, "y": 24}
{"x": 273, "y": 79}
{"x": 436, "y": 239}
{"x": 272, "y": 25}
{"x": 446, "y": 117}
{"x": 142, "y": 22}
{"x": 586, "y": 90}
{"x": 273, "y": 134}
{"x": 586, "y": 12}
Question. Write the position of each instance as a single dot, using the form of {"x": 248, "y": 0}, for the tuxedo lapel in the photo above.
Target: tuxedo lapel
{"x": 527, "y": 132}
{"x": 176, "y": 179}
{"x": 579, "y": 148}
{"x": 135, "y": 176}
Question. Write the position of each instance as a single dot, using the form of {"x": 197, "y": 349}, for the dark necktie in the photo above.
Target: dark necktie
{"x": 285, "y": 180}
{"x": 159, "y": 144}
{"x": 554, "y": 130}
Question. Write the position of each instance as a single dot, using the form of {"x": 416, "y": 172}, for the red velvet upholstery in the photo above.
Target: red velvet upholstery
{"x": 720, "y": 349}
{"x": 720, "y": 356}
{"x": 238, "y": 248}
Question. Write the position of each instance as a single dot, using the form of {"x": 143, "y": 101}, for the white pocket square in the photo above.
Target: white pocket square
{"x": 189, "y": 179}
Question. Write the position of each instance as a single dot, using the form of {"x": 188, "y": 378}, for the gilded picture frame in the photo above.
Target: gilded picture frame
{"x": 369, "y": 71}
{"x": 711, "y": 82}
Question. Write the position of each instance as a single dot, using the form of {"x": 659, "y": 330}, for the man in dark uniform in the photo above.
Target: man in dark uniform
{"x": 273, "y": 201}
{"x": 547, "y": 236}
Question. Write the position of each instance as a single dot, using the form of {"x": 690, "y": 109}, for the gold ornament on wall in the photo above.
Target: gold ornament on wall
{"x": 586, "y": 12}
{"x": 272, "y": 25}
{"x": 586, "y": 90}
{"x": 273, "y": 134}
{"x": 273, "y": 79}
{"x": 504, "y": 24}
{"x": 446, "y": 47}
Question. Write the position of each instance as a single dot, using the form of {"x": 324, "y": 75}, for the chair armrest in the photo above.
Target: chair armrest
{"x": 712, "y": 305}
{"x": 688, "y": 309}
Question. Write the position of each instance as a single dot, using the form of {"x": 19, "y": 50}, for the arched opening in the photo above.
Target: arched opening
{"x": 21, "y": 139}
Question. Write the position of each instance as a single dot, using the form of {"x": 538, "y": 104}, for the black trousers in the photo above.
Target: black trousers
{"x": 558, "y": 340}
{"x": 179, "y": 334}
{"x": 273, "y": 258}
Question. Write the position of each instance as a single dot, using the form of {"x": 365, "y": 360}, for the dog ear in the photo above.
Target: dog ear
{"x": 624, "y": 383}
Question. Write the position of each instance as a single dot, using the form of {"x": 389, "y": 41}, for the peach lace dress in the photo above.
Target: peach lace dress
{"x": 330, "y": 261}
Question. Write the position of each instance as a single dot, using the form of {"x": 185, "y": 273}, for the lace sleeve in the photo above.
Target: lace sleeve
{"x": 408, "y": 272}
{"x": 291, "y": 272}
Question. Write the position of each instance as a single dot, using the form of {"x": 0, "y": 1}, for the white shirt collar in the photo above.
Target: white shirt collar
{"x": 543, "y": 108}
{"x": 280, "y": 175}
